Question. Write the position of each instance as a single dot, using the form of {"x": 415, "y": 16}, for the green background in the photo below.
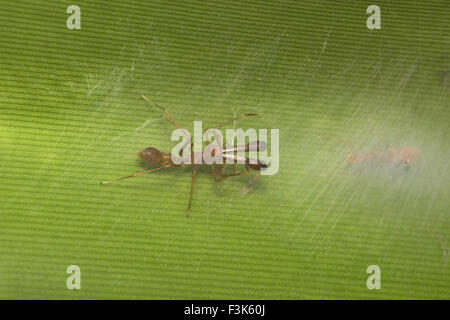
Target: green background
{"x": 71, "y": 116}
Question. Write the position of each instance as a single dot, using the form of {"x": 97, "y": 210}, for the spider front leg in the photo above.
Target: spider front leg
{"x": 218, "y": 172}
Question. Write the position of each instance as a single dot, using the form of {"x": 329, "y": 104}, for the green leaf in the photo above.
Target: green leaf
{"x": 71, "y": 116}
